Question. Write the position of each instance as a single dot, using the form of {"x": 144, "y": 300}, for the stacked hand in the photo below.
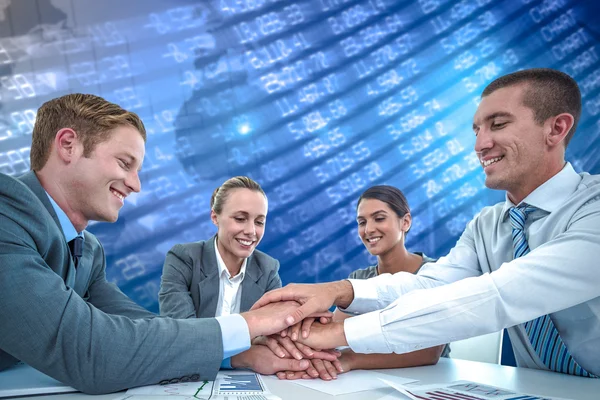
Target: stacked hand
{"x": 321, "y": 363}
{"x": 292, "y": 335}
{"x": 313, "y": 300}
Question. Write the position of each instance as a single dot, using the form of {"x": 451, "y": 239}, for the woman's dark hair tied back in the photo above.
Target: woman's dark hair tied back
{"x": 390, "y": 195}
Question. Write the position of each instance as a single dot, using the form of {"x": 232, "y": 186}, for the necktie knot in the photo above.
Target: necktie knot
{"x": 76, "y": 247}
{"x": 518, "y": 215}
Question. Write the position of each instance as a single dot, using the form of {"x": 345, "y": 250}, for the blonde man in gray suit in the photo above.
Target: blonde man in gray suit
{"x": 59, "y": 314}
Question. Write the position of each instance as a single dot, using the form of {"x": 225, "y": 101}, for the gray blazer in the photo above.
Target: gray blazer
{"x": 72, "y": 324}
{"x": 190, "y": 281}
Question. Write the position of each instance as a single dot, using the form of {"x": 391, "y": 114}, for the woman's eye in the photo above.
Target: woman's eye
{"x": 260, "y": 223}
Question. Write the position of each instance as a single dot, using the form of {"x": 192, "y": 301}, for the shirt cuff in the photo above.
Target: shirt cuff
{"x": 235, "y": 333}
{"x": 226, "y": 363}
{"x": 364, "y": 334}
{"x": 365, "y": 293}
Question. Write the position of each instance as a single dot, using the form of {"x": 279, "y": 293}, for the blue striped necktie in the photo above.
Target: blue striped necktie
{"x": 542, "y": 333}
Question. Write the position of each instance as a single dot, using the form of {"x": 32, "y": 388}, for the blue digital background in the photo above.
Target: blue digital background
{"x": 316, "y": 100}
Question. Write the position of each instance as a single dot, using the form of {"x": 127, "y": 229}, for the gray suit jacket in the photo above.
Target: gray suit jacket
{"x": 72, "y": 324}
{"x": 190, "y": 281}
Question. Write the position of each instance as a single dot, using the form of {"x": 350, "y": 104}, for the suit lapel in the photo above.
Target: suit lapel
{"x": 208, "y": 281}
{"x": 31, "y": 180}
{"x": 84, "y": 269}
{"x": 251, "y": 290}
{"x": 72, "y": 277}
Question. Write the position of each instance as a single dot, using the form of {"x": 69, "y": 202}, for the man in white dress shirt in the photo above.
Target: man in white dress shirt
{"x": 530, "y": 264}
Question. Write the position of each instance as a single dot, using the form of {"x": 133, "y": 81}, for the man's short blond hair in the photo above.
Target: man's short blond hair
{"x": 91, "y": 117}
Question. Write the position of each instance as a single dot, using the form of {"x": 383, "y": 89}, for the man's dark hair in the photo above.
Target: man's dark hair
{"x": 548, "y": 92}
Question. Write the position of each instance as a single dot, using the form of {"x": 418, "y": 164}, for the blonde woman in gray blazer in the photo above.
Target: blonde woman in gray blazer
{"x": 225, "y": 274}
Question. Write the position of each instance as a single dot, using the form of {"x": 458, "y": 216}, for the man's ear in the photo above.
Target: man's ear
{"x": 67, "y": 144}
{"x": 558, "y": 128}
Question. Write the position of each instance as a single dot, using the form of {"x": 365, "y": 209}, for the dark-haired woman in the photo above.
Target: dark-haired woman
{"x": 383, "y": 218}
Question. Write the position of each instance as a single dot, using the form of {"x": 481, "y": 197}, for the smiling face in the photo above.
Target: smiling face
{"x": 510, "y": 144}
{"x": 97, "y": 185}
{"x": 379, "y": 227}
{"x": 241, "y": 224}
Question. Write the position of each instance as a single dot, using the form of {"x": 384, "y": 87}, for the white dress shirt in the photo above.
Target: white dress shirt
{"x": 230, "y": 287}
{"x": 478, "y": 288}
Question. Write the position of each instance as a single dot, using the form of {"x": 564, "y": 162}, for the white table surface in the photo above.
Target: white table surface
{"x": 447, "y": 370}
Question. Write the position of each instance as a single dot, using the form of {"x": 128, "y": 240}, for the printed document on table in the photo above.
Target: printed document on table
{"x": 228, "y": 384}
{"x": 352, "y": 382}
{"x": 187, "y": 390}
{"x": 462, "y": 390}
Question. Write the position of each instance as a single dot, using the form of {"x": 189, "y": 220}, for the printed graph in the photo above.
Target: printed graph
{"x": 240, "y": 383}
{"x": 469, "y": 392}
{"x": 443, "y": 394}
{"x": 487, "y": 391}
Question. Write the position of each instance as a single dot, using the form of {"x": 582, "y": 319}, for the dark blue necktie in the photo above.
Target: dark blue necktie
{"x": 543, "y": 335}
{"x": 76, "y": 247}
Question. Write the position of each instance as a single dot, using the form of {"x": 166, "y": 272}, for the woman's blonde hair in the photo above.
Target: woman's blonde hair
{"x": 219, "y": 196}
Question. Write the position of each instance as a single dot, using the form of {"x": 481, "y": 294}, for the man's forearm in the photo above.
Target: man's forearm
{"x": 344, "y": 293}
{"x": 379, "y": 361}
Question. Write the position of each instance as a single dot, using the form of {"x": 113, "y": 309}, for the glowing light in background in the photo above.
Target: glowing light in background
{"x": 244, "y": 129}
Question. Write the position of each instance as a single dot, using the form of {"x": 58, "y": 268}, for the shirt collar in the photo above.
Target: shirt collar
{"x": 65, "y": 223}
{"x": 223, "y": 269}
{"x": 551, "y": 194}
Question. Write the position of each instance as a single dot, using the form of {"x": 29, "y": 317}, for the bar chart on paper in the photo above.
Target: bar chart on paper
{"x": 477, "y": 389}
{"x": 231, "y": 385}
{"x": 239, "y": 383}
{"x": 463, "y": 390}
{"x": 446, "y": 394}
{"x": 240, "y": 386}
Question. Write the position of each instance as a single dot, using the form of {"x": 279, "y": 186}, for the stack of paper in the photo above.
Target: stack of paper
{"x": 462, "y": 390}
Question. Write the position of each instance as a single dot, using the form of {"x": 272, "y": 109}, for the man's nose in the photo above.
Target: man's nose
{"x": 483, "y": 141}
{"x": 133, "y": 182}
